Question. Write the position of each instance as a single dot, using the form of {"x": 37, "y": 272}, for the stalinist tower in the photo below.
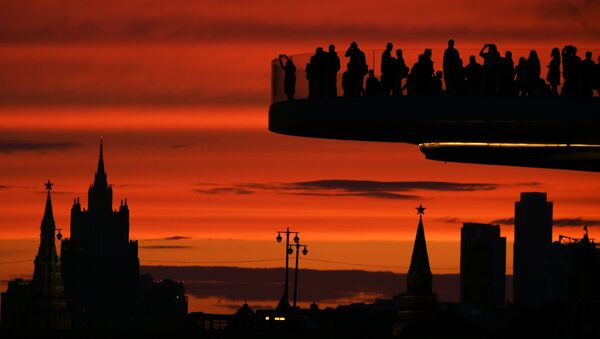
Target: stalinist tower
{"x": 47, "y": 309}
{"x": 100, "y": 264}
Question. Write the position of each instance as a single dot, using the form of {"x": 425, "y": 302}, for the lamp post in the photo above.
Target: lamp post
{"x": 304, "y": 252}
{"x": 288, "y": 251}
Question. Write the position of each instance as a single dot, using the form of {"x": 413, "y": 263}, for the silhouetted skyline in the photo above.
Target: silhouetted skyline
{"x": 180, "y": 97}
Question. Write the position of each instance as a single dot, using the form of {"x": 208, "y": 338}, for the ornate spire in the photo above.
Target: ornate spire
{"x": 419, "y": 272}
{"x": 100, "y": 178}
{"x": 47, "y": 304}
{"x": 48, "y": 218}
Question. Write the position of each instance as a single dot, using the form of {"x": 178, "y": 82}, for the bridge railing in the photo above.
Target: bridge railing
{"x": 373, "y": 57}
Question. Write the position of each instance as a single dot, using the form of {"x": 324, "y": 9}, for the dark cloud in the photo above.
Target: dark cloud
{"x": 14, "y": 146}
{"x": 4, "y": 187}
{"x": 192, "y": 21}
{"x": 377, "y": 195}
{"x": 236, "y": 283}
{"x": 451, "y": 220}
{"x": 576, "y": 222}
{"x": 177, "y": 237}
{"x": 504, "y": 221}
{"x": 223, "y": 190}
{"x": 401, "y": 190}
{"x": 390, "y": 186}
{"x": 560, "y": 222}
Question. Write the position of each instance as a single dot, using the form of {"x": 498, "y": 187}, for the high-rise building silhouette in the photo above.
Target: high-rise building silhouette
{"x": 42, "y": 304}
{"x": 100, "y": 264}
{"x": 482, "y": 265}
{"x": 532, "y": 249}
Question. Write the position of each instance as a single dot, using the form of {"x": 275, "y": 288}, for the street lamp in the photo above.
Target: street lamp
{"x": 304, "y": 252}
{"x": 288, "y": 251}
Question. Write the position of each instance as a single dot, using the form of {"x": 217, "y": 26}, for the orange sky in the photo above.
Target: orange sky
{"x": 180, "y": 90}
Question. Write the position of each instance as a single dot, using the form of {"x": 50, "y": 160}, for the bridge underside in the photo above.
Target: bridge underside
{"x": 560, "y": 133}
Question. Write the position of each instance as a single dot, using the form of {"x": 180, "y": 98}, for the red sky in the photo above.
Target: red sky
{"x": 179, "y": 90}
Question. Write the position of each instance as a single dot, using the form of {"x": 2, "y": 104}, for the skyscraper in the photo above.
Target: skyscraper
{"x": 532, "y": 249}
{"x": 482, "y": 265}
{"x": 100, "y": 264}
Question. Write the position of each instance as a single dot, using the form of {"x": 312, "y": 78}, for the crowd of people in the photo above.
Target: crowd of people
{"x": 497, "y": 75}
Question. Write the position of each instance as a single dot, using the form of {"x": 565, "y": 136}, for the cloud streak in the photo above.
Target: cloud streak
{"x": 210, "y": 20}
{"x": 560, "y": 222}
{"x": 400, "y": 190}
{"x": 177, "y": 237}
{"x": 17, "y": 146}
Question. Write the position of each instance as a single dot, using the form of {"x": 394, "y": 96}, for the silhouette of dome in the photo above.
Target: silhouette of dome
{"x": 245, "y": 310}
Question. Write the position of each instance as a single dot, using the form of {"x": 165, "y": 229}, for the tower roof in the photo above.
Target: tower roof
{"x": 48, "y": 214}
{"x": 100, "y": 178}
{"x": 419, "y": 272}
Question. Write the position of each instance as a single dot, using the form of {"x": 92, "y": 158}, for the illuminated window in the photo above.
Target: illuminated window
{"x": 267, "y": 318}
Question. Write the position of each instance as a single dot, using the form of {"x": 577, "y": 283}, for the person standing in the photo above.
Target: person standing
{"x": 553, "y": 76}
{"x": 332, "y": 67}
{"x": 357, "y": 67}
{"x": 451, "y": 65}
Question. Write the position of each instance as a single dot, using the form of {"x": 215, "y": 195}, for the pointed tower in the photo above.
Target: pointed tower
{"x": 419, "y": 273}
{"x": 100, "y": 263}
{"x": 48, "y": 306}
{"x": 100, "y": 193}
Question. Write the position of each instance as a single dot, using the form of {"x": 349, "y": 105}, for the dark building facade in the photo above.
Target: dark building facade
{"x": 482, "y": 265}
{"x": 100, "y": 264}
{"x": 533, "y": 250}
{"x": 576, "y": 269}
{"x": 39, "y": 304}
{"x": 164, "y": 304}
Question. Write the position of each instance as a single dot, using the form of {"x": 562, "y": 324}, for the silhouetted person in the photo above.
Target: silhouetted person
{"x": 400, "y": 72}
{"x": 289, "y": 79}
{"x": 423, "y": 74}
{"x": 349, "y": 85}
{"x": 461, "y": 81}
{"x": 332, "y": 66}
{"x": 588, "y": 67}
{"x": 373, "y": 87}
{"x": 474, "y": 76}
{"x": 357, "y": 66}
{"x": 436, "y": 84}
{"x": 491, "y": 69}
{"x": 451, "y": 66}
{"x": 507, "y": 84}
{"x": 571, "y": 68}
{"x": 553, "y": 76}
{"x": 387, "y": 69}
{"x": 534, "y": 71}
{"x": 315, "y": 73}
{"x": 521, "y": 77}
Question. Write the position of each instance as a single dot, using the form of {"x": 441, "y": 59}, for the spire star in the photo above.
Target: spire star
{"x": 49, "y": 185}
{"x": 420, "y": 209}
